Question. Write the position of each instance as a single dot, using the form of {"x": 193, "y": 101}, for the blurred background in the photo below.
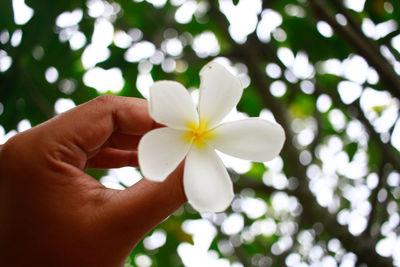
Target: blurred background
{"x": 326, "y": 70}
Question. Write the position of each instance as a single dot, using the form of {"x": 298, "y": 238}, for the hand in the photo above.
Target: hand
{"x": 53, "y": 214}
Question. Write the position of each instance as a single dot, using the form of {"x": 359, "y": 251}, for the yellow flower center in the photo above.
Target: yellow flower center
{"x": 198, "y": 133}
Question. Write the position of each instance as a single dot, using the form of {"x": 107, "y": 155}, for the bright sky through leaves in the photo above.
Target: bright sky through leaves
{"x": 340, "y": 112}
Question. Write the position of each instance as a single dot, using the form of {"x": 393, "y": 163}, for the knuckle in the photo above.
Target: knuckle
{"x": 10, "y": 147}
{"x": 104, "y": 99}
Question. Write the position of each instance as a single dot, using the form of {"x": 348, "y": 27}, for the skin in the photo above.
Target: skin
{"x": 53, "y": 214}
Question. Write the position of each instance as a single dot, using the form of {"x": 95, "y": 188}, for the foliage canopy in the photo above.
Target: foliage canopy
{"x": 327, "y": 71}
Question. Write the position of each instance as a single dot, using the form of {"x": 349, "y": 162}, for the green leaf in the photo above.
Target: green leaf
{"x": 257, "y": 170}
{"x": 303, "y": 106}
{"x": 250, "y": 103}
{"x": 6, "y": 16}
{"x": 351, "y": 150}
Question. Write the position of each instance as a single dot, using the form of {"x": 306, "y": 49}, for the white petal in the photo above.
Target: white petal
{"x": 207, "y": 184}
{"x": 220, "y": 91}
{"x": 171, "y": 105}
{"x": 253, "y": 139}
{"x": 160, "y": 151}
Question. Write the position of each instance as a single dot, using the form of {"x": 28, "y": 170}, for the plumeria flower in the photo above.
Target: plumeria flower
{"x": 195, "y": 133}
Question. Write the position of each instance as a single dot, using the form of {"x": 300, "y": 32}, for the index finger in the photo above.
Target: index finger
{"x": 90, "y": 125}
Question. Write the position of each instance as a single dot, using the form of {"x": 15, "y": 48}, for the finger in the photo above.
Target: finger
{"x": 158, "y": 125}
{"x": 87, "y": 127}
{"x": 140, "y": 208}
{"x": 123, "y": 141}
{"x": 112, "y": 158}
{"x": 107, "y": 114}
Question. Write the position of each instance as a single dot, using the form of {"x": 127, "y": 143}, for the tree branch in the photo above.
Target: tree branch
{"x": 387, "y": 152}
{"x": 362, "y": 45}
{"x": 350, "y": 19}
{"x": 250, "y": 55}
{"x": 374, "y": 202}
{"x": 42, "y": 103}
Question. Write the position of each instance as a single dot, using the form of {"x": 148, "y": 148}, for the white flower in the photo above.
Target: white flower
{"x": 196, "y": 132}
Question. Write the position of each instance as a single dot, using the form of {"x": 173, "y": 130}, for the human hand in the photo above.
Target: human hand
{"x": 53, "y": 214}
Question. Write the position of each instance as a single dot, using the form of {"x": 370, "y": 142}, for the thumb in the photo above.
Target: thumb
{"x": 139, "y": 209}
